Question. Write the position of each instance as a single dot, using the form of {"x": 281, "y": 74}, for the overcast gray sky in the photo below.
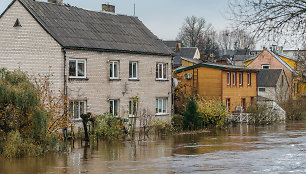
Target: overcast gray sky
{"x": 163, "y": 17}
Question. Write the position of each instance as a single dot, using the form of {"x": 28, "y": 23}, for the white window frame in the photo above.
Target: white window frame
{"x": 164, "y": 103}
{"x": 240, "y": 78}
{"x": 79, "y": 108}
{"x": 134, "y": 76}
{"x": 77, "y": 67}
{"x": 249, "y": 79}
{"x": 112, "y": 64}
{"x": 131, "y": 107}
{"x": 113, "y": 106}
{"x": 234, "y": 78}
{"x": 164, "y": 66}
{"x": 262, "y": 66}
{"x": 228, "y": 77}
{"x": 264, "y": 89}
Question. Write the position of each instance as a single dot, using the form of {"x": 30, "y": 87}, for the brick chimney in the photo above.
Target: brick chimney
{"x": 56, "y": 1}
{"x": 108, "y": 8}
{"x": 178, "y": 47}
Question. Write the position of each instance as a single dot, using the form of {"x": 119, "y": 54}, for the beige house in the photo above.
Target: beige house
{"x": 104, "y": 62}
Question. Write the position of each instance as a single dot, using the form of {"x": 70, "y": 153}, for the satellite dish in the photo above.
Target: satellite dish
{"x": 175, "y": 82}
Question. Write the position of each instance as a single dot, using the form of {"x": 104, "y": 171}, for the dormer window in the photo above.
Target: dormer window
{"x": 17, "y": 23}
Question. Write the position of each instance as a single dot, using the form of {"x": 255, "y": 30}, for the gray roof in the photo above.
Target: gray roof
{"x": 268, "y": 77}
{"x": 171, "y": 43}
{"x": 177, "y": 61}
{"x": 241, "y": 57}
{"x": 196, "y": 61}
{"x": 78, "y": 28}
{"x": 188, "y": 52}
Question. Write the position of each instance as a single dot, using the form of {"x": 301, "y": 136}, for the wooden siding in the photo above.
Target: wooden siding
{"x": 187, "y": 63}
{"x": 213, "y": 83}
{"x": 237, "y": 93}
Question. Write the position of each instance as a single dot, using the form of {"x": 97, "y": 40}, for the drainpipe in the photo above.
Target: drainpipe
{"x": 172, "y": 86}
{"x": 65, "y": 71}
{"x": 65, "y": 89}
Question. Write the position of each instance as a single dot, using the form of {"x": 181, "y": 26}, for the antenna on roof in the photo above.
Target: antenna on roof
{"x": 134, "y": 9}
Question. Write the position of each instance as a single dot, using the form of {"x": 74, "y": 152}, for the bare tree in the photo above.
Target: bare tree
{"x": 237, "y": 39}
{"x": 193, "y": 31}
{"x": 208, "y": 45}
{"x": 272, "y": 19}
{"x": 196, "y": 32}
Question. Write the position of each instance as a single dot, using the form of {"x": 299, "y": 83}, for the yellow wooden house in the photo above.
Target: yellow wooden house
{"x": 233, "y": 85}
{"x": 292, "y": 67}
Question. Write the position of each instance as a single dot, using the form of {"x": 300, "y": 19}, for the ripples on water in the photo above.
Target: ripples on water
{"x": 241, "y": 149}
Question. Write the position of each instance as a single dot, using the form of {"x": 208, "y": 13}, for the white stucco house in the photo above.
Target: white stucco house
{"x": 273, "y": 84}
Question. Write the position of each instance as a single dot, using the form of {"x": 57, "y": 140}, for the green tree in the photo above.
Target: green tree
{"x": 20, "y": 108}
{"x": 191, "y": 118}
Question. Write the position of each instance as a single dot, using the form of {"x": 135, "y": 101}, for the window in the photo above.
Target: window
{"x": 249, "y": 79}
{"x": 161, "y": 105}
{"x": 161, "y": 71}
{"x": 261, "y": 89}
{"x": 240, "y": 78}
{"x": 133, "y": 105}
{"x": 114, "y": 70}
{"x": 234, "y": 78}
{"x": 265, "y": 66}
{"x": 228, "y": 104}
{"x": 133, "y": 70}
{"x": 228, "y": 78}
{"x": 77, "y": 68}
{"x": 77, "y": 108}
{"x": 114, "y": 107}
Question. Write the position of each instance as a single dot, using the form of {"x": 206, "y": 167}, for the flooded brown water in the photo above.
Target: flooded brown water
{"x": 242, "y": 149}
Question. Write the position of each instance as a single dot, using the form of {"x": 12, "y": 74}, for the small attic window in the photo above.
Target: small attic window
{"x": 17, "y": 23}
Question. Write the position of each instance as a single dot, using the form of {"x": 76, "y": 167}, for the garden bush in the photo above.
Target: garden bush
{"x": 108, "y": 126}
{"x": 212, "y": 112}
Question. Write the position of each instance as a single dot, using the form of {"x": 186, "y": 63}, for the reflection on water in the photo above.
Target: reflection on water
{"x": 241, "y": 149}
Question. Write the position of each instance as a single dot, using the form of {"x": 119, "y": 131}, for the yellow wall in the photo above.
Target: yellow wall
{"x": 187, "y": 63}
{"x": 236, "y": 92}
{"x": 289, "y": 62}
{"x": 210, "y": 84}
{"x": 248, "y": 62}
{"x": 209, "y": 81}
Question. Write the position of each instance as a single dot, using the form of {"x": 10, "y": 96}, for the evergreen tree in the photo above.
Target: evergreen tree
{"x": 191, "y": 116}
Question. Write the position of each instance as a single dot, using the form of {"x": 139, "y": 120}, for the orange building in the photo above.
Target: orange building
{"x": 233, "y": 85}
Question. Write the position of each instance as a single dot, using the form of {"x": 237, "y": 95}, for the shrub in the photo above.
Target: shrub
{"x": 20, "y": 104}
{"x": 261, "y": 114}
{"x": 191, "y": 118}
{"x": 162, "y": 126}
{"x": 108, "y": 126}
{"x": 295, "y": 109}
{"x": 177, "y": 122}
{"x": 212, "y": 112}
{"x": 16, "y": 146}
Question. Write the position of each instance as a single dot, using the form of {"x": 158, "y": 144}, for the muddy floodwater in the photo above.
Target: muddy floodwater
{"x": 279, "y": 148}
